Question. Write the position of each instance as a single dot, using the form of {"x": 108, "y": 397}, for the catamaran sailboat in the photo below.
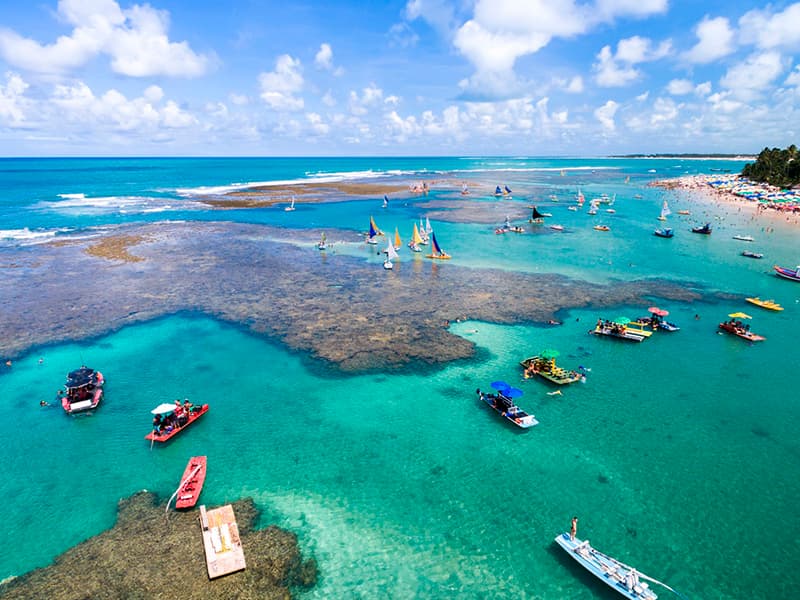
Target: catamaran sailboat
{"x": 437, "y": 252}
{"x": 385, "y": 201}
{"x": 391, "y": 254}
{"x": 291, "y": 207}
{"x": 665, "y": 211}
{"x": 416, "y": 240}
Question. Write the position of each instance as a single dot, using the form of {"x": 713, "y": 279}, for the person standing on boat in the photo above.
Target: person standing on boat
{"x": 574, "y": 529}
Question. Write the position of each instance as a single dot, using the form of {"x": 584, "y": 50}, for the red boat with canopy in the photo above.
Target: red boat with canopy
{"x": 171, "y": 419}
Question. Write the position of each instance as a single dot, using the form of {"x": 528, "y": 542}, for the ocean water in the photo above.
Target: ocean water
{"x": 679, "y": 454}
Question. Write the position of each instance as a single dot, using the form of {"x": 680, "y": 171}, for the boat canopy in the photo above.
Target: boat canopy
{"x": 163, "y": 409}
{"x": 80, "y": 377}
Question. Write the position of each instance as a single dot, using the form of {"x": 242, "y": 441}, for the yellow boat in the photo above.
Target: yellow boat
{"x": 768, "y": 304}
{"x": 638, "y": 328}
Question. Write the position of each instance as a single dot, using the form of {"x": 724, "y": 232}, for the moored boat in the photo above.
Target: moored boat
{"x": 793, "y": 275}
{"x": 536, "y": 216}
{"x": 741, "y": 330}
{"x": 557, "y": 227}
{"x": 749, "y": 254}
{"x": 768, "y": 304}
{"x": 82, "y": 391}
{"x": 705, "y": 229}
{"x": 622, "y": 578}
{"x": 618, "y": 330}
{"x": 666, "y": 232}
{"x": 744, "y": 238}
{"x": 602, "y": 228}
{"x": 544, "y": 366}
{"x": 502, "y": 404}
{"x": 437, "y": 252}
{"x": 171, "y": 419}
{"x": 191, "y": 484}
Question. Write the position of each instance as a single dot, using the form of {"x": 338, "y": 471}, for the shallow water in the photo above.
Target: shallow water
{"x": 678, "y": 454}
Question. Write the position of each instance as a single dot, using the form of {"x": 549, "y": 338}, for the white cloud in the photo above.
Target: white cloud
{"x": 616, "y": 70}
{"x": 324, "y": 58}
{"x": 437, "y": 13}
{"x": 714, "y": 40}
{"x": 680, "y": 87}
{"x": 135, "y": 40}
{"x": 239, "y": 99}
{"x": 392, "y": 100}
{"x": 794, "y": 77}
{"x": 370, "y": 96}
{"x": 703, "y": 89}
{"x": 12, "y": 100}
{"x": 767, "y": 30}
{"x": 721, "y": 102}
{"x": 575, "y": 85}
{"x": 664, "y": 110}
{"x": 278, "y": 87}
{"x": 611, "y": 9}
{"x": 643, "y": 97}
{"x": 605, "y": 114}
{"x": 317, "y": 125}
{"x": 328, "y": 99}
{"x": 752, "y": 76}
{"x": 401, "y": 129}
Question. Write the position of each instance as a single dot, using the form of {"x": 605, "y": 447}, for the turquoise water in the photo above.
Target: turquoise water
{"x": 679, "y": 455}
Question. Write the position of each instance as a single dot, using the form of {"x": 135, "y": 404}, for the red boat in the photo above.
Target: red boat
{"x": 738, "y": 329}
{"x": 84, "y": 390}
{"x": 191, "y": 483}
{"x": 793, "y": 275}
{"x": 168, "y": 423}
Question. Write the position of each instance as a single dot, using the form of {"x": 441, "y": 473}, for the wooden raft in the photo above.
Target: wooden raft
{"x": 224, "y": 552}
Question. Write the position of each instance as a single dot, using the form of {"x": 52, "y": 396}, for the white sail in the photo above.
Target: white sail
{"x": 428, "y": 227}
{"x": 391, "y": 253}
{"x": 664, "y": 211}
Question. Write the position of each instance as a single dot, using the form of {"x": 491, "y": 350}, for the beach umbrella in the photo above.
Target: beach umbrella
{"x": 622, "y": 320}
{"x": 658, "y": 311}
{"x": 500, "y": 385}
{"x": 163, "y": 409}
{"x": 549, "y": 353}
{"x": 512, "y": 393}
{"x": 739, "y": 315}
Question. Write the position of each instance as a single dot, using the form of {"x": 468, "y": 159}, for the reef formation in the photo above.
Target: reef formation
{"x": 148, "y": 554}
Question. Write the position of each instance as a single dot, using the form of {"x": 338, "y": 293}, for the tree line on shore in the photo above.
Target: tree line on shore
{"x": 777, "y": 167}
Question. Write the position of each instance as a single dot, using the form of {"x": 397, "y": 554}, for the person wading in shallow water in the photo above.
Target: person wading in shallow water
{"x": 574, "y": 529}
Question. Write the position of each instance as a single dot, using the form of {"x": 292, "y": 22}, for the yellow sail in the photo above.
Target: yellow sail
{"x": 397, "y": 242}
{"x": 375, "y": 227}
{"x": 417, "y": 238}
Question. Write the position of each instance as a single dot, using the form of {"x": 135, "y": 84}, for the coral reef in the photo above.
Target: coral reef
{"x": 149, "y": 555}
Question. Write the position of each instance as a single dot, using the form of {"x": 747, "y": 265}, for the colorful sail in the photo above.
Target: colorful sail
{"x": 397, "y": 241}
{"x": 436, "y": 248}
{"x": 374, "y": 227}
{"x": 498, "y": 191}
{"x": 508, "y": 190}
{"x": 385, "y": 201}
{"x": 581, "y": 198}
{"x": 415, "y": 236}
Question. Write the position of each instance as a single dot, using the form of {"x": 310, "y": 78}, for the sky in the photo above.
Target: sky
{"x": 397, "y": 78}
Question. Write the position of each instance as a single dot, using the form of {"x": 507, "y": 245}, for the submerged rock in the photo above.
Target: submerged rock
{"x": 150, "y": 555}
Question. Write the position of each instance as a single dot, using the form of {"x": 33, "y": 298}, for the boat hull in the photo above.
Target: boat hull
{"x": 518, "y": 417}
{"x": 166, "y": 436}
{"x": 786, "y": 273}
{"x": 625, "y": 335}
{"x": 532, "y": 366}
{"x": 192, "y": 481}
{"x": 611, "y": 572}
{"x": 741, "y": 333}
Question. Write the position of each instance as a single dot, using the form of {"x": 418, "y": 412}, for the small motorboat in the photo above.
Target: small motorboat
{"x": 602, "y": 228}
{"x": 741, "y": 330}
{"x": 768, "y": 304}
{"x": 749, "y": 254}
{"x": 573, "y": 208}
{"x": 171, "y": 419}
{"x": 502, "y": 404}
{"x": 684, "y": 212}
{"x": 191, "y": 484}
{"x": 621, "y": 577}
{"x": 82, "y": 391}
{"x": 666, "y": 232}
{"x": 743, "y": 238}
{"x": 793, "y": 275}
{"x": 705, "y": 229}
{"x": 557, "y": 227}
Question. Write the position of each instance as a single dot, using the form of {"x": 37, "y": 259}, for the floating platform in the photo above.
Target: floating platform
{"x": 224, "y": 552}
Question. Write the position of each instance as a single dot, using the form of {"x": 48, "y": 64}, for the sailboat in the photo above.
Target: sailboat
{"x": 385, "y": 201}
{"x": 374, "y": 226}
{"x": 593, "y": 206}
{"x": 581, "y": 198}
{"x": 464, "y": 190}
{"x": 507, "y": 191}
{"x": 536, "y": 216}
{"x": 428, "y": 228}
{"x": 437, "y": 252}
{"x": 290, "y": 208}
{"x": 665, "y": 211}
{"x": 628, "y": 179}
{"x": 391, "y": 254}
{"x": 323, "y": 242}
{"x": 498, "y": 191}
{"x": 397, "y": 242}
{"x": 373, "y": 233}
{"x": 416, "y": 240}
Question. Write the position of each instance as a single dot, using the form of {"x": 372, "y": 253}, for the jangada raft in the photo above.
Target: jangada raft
{"x": 544, "y": 366}
{"x": 793, "y": 275}
{"x": 83, "y": 390}
{"x": 620, "y": 577}
{"x": 170, "y": 420}
{"x": 191, "y": 484}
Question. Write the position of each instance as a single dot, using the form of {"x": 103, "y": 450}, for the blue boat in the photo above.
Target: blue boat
{"x": 498, "y": 191}
{"x": 666, "y": 232}
{"x": 705, "y": 229}
{"x": 503, "y": 404}
{"x": 620, "y": 577}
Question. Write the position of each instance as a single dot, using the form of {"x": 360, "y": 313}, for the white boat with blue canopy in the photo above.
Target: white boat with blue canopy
{"x": 621, "y": 577}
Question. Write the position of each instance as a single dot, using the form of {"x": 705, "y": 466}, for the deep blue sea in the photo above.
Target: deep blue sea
{"x": 679, "y": 455}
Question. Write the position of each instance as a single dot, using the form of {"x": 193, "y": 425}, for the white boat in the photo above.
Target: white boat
{"x": 622, "y": 578}
{"x": 323, "y": 242}
{"x": 610, "y": 211}
{"x": 557, "y": 227}
{"x": 291, "y": 207}
{"x": 391, "y": 254}
{"x": 428, "y": 228}
{"x": 573, "y": 208}
{"x": 385, "y": 201}
{"x": 665, "y": 212}
{"x": 744, "y": 238}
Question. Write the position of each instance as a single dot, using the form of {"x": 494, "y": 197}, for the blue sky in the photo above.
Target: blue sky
{"x": 504, "y": 77}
